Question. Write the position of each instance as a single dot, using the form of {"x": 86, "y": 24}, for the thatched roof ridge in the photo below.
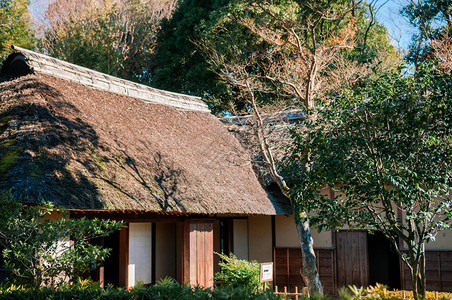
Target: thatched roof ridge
{"x": 89, "y": 149}
{"x": 44, "y": 64}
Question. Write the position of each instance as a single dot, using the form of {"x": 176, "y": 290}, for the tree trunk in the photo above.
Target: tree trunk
{"x": 309, "y": 264}
{"x": 417, "y": 274}
{"x": 309, "y": 271}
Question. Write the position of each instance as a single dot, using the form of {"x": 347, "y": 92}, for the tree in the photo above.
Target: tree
{"x": 292, "y": 52}
{"x": 384, "y": 147}
{"x": 180, "y": 66}
{"x": 432, "y": 19}
{"x": 15, "y": 26}
{"x": 442, "y": 52}
{"x": 114, "y": 37}
{"x": 39, "y": 250}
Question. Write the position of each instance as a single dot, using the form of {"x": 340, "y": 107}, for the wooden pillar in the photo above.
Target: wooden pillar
{"x": 197, "y": 253}
{"x": 124, "y": 256}
{"x": 101, "y": 276}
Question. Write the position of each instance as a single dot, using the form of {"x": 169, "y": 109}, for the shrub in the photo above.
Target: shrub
{"x": 37, "y": 249}
{"x": 239, "y": 273}
{"x": 166, "y": 289}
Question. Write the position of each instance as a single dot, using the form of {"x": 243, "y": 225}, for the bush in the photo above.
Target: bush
{"x": 239, "y": 273}
{"x": 37, "y": 249}
{"x": 166, "y": 289}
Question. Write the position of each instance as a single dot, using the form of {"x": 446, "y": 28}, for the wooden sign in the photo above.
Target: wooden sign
{"x": 266, "y": 272}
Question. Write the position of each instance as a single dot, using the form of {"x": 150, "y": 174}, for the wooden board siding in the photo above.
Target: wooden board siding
{"x": 438, "y": 270}
{"x": 326, "y": 264}
{"x": 198, "y": 253}
{"x": 288, "y": 267}
{"x": 352, "y": 258}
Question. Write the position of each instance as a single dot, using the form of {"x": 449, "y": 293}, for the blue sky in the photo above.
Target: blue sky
{"x": 398, "y": 27}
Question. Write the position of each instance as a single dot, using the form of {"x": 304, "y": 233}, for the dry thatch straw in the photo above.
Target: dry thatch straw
{"x": 82, "y": 148}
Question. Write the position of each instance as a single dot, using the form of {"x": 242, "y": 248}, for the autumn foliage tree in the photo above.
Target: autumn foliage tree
{"x": 114, "y": 37}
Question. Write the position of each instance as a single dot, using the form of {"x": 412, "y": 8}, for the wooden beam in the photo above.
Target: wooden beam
{"x": 101, "y": 275}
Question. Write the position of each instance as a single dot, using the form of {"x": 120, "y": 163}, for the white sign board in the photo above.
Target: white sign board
{"x": 266, "y": 272}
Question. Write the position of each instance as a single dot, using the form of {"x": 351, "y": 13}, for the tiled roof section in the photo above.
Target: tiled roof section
{"x": 287, "y": 116}
{"x": 57, "y": 68}
{"x": 277, "y": 127}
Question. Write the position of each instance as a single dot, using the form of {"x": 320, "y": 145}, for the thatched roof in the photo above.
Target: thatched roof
{"x": 85, "y": 148}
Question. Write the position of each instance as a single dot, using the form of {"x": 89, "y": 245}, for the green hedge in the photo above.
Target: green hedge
{"x": 165, "y": 290}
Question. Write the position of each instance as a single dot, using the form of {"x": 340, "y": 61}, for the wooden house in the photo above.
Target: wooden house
{"x": 109, "y": 148}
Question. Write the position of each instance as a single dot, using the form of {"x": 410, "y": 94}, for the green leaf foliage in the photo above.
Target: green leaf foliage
{"x": 385, "y": 149}
{"x": 42, "y": 245}
{"x": 182, "y": 62}
{"x": 387, "y": 141}
{"x": 163, "y": 290}
{"x": 239, "y": 273}
{"x": 15, "y": 26}
{"x": 113, "y": 37}
{"x": 178, "y": 64}
{"x": 432, "y": 20}
{"x": 88, "y": 42}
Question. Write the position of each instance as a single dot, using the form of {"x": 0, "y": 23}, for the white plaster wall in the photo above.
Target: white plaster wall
{"x": 62, "y": 246}
{"x": 260, "y": 238}
{"x": 240, "y": 236}
{"x": 140, "y": 253}
{"x": 443, "y": 241}
{"x": 287, "y": 236}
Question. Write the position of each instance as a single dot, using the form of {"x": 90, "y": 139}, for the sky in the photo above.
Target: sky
{"x": 399, "y": 29}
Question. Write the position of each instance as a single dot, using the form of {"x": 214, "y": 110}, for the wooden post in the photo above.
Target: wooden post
{"x": 124, "y": 256}
{"x": 186, "y": 252}
{"x": 101, "y": 275}
{"x": 296, "y": 293}
{"x": 403, "y": 294}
